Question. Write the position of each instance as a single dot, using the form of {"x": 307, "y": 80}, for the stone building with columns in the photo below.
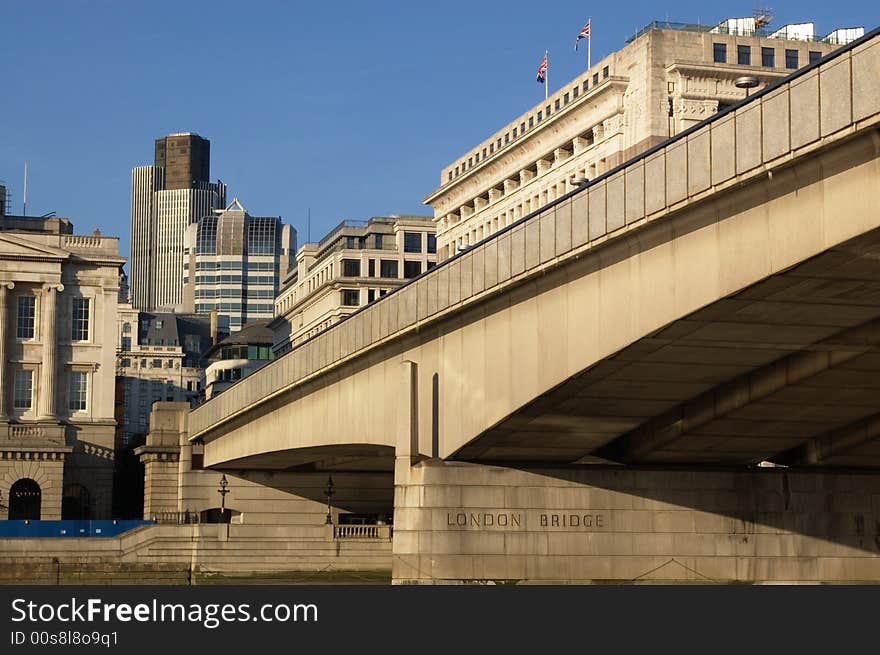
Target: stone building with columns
{"x": 58, "y": 301}
{"x": 669, "y": 77}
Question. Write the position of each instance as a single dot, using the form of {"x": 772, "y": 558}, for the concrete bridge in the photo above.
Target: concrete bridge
{"x": 639, "y": 345}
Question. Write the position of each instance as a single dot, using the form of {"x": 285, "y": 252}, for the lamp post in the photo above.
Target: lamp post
{"x": 223, "y": 491}
{"x": 746, "y": 82}
{"x": 329, "y": 491}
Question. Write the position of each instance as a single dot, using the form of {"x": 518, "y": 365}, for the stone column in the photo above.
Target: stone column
{"x": 4, "y": 286}
{"x": 49, "y": 336}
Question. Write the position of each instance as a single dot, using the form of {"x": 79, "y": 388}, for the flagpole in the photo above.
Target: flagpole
{"x": 589, "y": 41}
{"x": 547, "y": 72}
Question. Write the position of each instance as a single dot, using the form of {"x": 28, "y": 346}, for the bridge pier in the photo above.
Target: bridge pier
{"x": 460, "y": 523}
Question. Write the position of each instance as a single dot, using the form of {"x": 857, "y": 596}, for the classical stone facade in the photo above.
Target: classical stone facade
{"x": 58, "y": 300}
{"x": 357, "y": 263}
{"x": 661, "y": 83}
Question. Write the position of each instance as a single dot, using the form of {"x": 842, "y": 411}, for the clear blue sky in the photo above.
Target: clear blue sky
{"x": 350, "y": 108}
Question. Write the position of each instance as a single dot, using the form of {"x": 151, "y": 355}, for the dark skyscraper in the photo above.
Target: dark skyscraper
{"x": 186, "y": 159}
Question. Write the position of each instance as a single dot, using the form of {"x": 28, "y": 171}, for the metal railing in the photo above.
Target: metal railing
{"x": 177, "y": 518}
{"x": 362, "y": 532}
{"x": 764, "y": 32}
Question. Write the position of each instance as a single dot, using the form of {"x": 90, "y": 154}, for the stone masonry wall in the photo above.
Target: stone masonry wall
{"x": 463, "y": 523}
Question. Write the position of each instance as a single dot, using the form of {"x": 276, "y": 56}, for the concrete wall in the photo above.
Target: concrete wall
{"x": 175, "y": 553}
{"x": 461, "y": 523}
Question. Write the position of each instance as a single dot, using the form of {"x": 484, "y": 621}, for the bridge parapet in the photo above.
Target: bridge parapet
{"x": 827, "y": 102}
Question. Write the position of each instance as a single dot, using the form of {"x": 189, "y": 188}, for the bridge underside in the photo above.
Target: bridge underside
{"x": 343, "y": 457}
{"x": 785, "y": 371}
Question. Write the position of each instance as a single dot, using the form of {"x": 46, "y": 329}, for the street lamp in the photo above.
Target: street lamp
{"x": 746, "y": 82}
{"x": 329, "y": 491}
{"x": 223, "y": 491}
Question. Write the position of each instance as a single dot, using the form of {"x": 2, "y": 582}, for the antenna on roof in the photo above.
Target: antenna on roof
{"x": 762, "y": 17}
{"x": 24, "y": 193}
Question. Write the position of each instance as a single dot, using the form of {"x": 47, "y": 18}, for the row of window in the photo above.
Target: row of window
{"x": 352, "y": 297}
{"x": 125, "y": 362}
{"x": 768, "y": 56}
{"x": 412, "y": 242}
{"x": 246, "y": 352}
{"x": 27, "y": 315}
{"x": 23, "y": 391}
{"x": 489, "y": 150}
{"x": 237, "y": 292}
{"x": 256, "y": 308}
{"x": 388, "y": 268}
{"x": 232, "y": 266}
{"x": 232, "y": 279}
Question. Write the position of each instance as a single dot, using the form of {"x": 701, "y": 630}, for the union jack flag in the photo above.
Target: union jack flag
{"x": 542, "y": 70}
{"x": 585, "y": 32}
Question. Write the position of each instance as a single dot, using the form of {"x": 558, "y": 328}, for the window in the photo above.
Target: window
{"x": 522, "y": 127}
{"x": 26, "y": 313}
{"x": 514, "y": 133}
{"x": 144, "y": 363}
{"x": 719, "y": 53}
{"x": 432, "y": 243}
{"x": 768, "y": 57}
{"x": 531, "y": 122}
{"x": 815, "y": 56}
{"x": 791, "y": 58}
{"x": 412, "y": 242}
{"x": 126, "y": 328}
{"x": 78, "y": 390}
{"x": 349, "y": 242}
{"x": 411, "y": 269}
{"x": 556, "y": 104}
{"x": 351, "y": 268}
{"x": 159, "y": 323}
{"x": 595, "y": 79}
{"x": 351, "y": 297}
{"x": 126, "y": 344}
{"x": 79, "y": 326}
{"x": 157, "y": 363}
{"x": 605, "y": 72}
{"x": 371, "y": 295}
{"x": 125, "y": 363}
{"x": 575, "y": 91}
{"x": 388, "y": 268}
{"x": 540, "y": 116}
{"x": 371, "y": 267}
{"x": 507, "y": 138}
{"x": 586, "y": 85}
{"x": 744, "y": 55}
{"x": 24, "y": 389}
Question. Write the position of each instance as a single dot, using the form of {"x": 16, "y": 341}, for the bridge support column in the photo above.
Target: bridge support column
{"x": 458, "y": 523}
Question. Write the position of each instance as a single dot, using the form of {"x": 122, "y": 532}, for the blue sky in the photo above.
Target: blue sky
{"x": 348, "y": 108}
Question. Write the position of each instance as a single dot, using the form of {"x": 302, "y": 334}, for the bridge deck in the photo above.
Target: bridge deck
{"x": 806, "y": 117}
